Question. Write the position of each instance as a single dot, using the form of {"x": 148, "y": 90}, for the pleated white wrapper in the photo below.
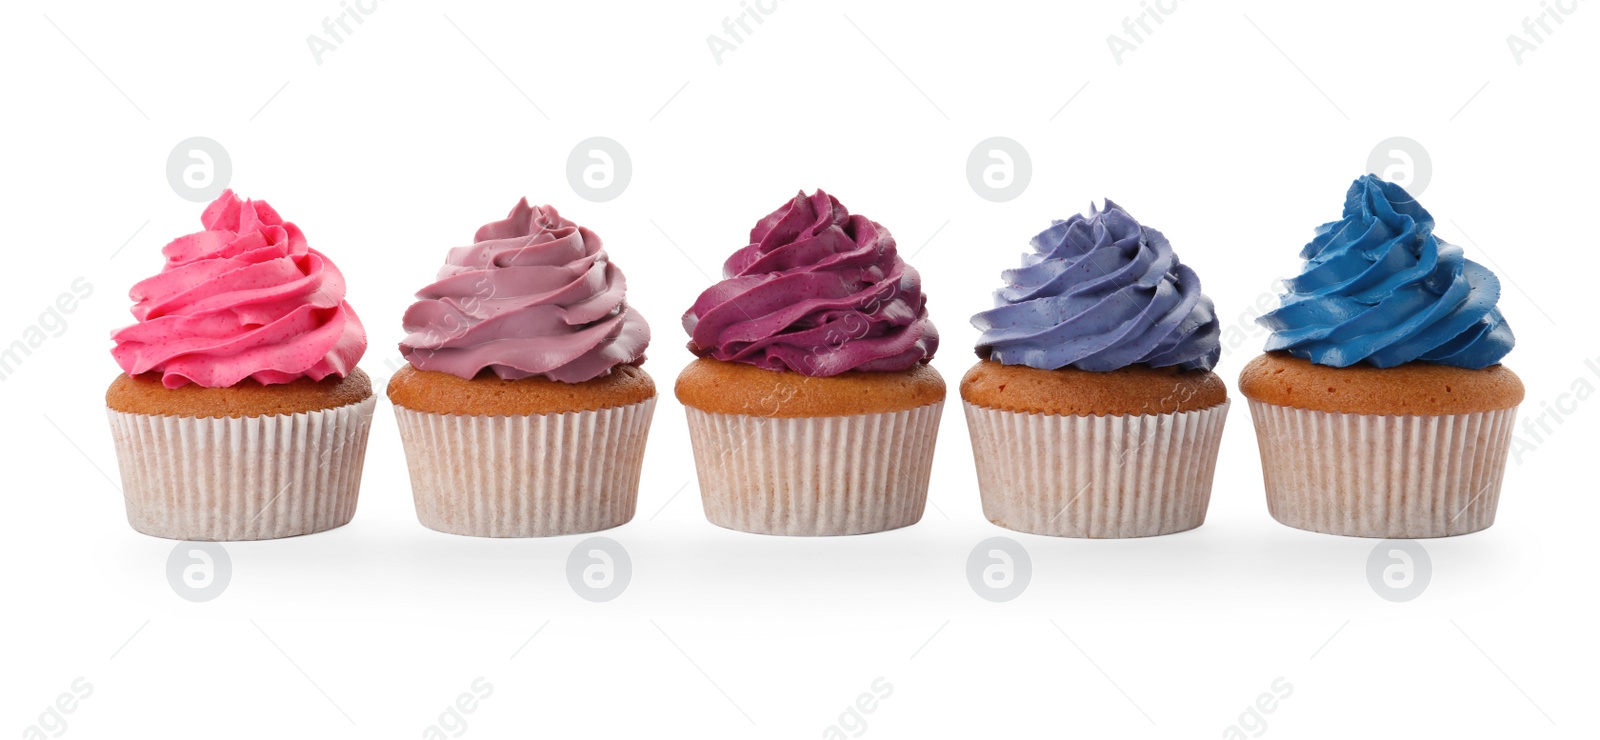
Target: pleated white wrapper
{"x": 535, "y": 475}
{"x": 827, "y": 475}
{"x": 1101, "y": 477}
{"x": 1382, "y": 476}
{"x": 251, "y": 478}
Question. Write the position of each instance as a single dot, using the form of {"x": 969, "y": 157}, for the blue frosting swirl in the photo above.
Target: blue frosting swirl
{"x": 1379, "y": 287}
{"x": 1100, "y": 292}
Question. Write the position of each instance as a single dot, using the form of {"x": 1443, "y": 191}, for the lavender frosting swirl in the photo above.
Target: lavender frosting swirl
{"x": 535, "y": 295}
{"x": 1100, "y": 292}
{"x": 818, "y": 291}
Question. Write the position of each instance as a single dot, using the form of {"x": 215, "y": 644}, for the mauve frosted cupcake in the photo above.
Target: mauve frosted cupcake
{"x": 1094, "y": 412}
{"x": 1381, "y": 407}
{"x": 241, "y": 414}
{"x": 524, "y": 411}
{"x": 813, "y": 410}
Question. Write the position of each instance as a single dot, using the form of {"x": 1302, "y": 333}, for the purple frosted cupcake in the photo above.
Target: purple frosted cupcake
{"x": 1094, "y": 412}
{"x": 813, "y": 410}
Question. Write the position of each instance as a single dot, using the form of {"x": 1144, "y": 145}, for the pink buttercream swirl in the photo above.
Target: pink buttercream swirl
{"x": 535, "y": 295}
{"x": 245, "y": 298}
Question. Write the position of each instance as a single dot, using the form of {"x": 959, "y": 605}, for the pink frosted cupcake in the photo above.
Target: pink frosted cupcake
{"x": 241, "y": 414}
{"x": 524, "y": 411}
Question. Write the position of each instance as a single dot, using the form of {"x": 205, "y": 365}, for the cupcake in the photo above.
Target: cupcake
{"x": 1380, "y": 407}
{"x": 241, "y": 414}
{"x": 523, "y": 410}
{"x": 812, "y": 408}
{"x": 1094, "y": 411}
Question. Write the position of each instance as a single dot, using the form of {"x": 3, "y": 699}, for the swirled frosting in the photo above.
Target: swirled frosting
{"x": 245, "y": 298}
{"x": 818, "y": 291}
{"x": 535, "y": 295}
{"x": 1379, "y": 287}
{"x": 1100, "y": 292}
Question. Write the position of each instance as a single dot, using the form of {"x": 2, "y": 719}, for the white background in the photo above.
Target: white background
{"x": 1235, "y": 128}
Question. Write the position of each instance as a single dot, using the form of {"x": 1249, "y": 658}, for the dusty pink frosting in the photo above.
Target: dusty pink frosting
{"x": 535, "y": 295}
{"x": 245, "y": 298}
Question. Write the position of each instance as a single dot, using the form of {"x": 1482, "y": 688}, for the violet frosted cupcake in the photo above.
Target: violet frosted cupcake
{"x": 524, "y": 411}
{"x": 1094, "y": 411}
{"x": 1381, "y": 407}
{"x": 241, "y": 414}
{"x": 812, "y": 409}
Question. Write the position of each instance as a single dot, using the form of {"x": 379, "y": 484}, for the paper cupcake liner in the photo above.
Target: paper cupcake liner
{"x": 830, "y": 475}
{"x": 1382, "y": 476}
{"x": 1134, "y": 475}
{"x": 250, "y": 478}
{"x": 526, "y": 476}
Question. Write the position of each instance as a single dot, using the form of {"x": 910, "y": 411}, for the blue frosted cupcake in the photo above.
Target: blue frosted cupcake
{"x": 1094, "y": 411}
{"x": 1381, "y": 407}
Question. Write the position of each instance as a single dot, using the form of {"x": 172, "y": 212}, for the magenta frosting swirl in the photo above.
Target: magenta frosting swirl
{"x": 245, "y": 298}
{"x": 535, "y": 294}
{"x": 817, "y": 291}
